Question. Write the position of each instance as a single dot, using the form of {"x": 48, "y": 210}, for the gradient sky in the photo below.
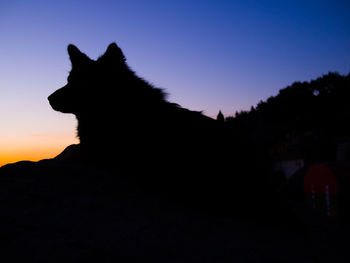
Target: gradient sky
{"x": 208, "y": 55}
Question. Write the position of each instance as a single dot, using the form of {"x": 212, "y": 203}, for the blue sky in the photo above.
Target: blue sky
{"x": 208, "y": 55}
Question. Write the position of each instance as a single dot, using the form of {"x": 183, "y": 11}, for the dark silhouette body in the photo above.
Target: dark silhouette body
{"x": 126, "y": 123}
{"x": 66, "y": 208}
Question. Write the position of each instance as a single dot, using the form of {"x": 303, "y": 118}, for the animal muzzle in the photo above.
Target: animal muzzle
{"x": 61, "y": 101}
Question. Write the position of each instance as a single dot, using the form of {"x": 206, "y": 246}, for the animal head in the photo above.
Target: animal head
{"x": 105, "y": 84}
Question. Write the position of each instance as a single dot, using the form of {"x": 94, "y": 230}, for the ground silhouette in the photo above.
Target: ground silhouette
{"x": 150, "y": 181}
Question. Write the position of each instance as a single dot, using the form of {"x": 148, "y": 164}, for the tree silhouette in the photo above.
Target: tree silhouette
{"x": 220, "y": 117}
{"x": 315, "y": 112}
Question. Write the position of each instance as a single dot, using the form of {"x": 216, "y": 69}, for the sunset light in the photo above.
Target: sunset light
{"x": 208, "y": 56}
{"x": 34, "y": 147}
{"x": 174, "y": 131}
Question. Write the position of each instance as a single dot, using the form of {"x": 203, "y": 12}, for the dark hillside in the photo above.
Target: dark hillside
{"x": 52, "y": 211}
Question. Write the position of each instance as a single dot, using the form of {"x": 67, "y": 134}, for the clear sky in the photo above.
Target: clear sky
{"x": 208, "y": 55}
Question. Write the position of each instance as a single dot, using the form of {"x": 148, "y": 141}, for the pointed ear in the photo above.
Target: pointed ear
{"x": 77, "y": 57}
{"x": 113, "y": 53}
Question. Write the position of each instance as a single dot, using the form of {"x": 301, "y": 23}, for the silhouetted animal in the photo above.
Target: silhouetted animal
{"x": 125, "y": 122}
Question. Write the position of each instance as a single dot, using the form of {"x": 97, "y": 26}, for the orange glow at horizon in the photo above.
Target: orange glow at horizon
{"x": 33, "y": 147}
